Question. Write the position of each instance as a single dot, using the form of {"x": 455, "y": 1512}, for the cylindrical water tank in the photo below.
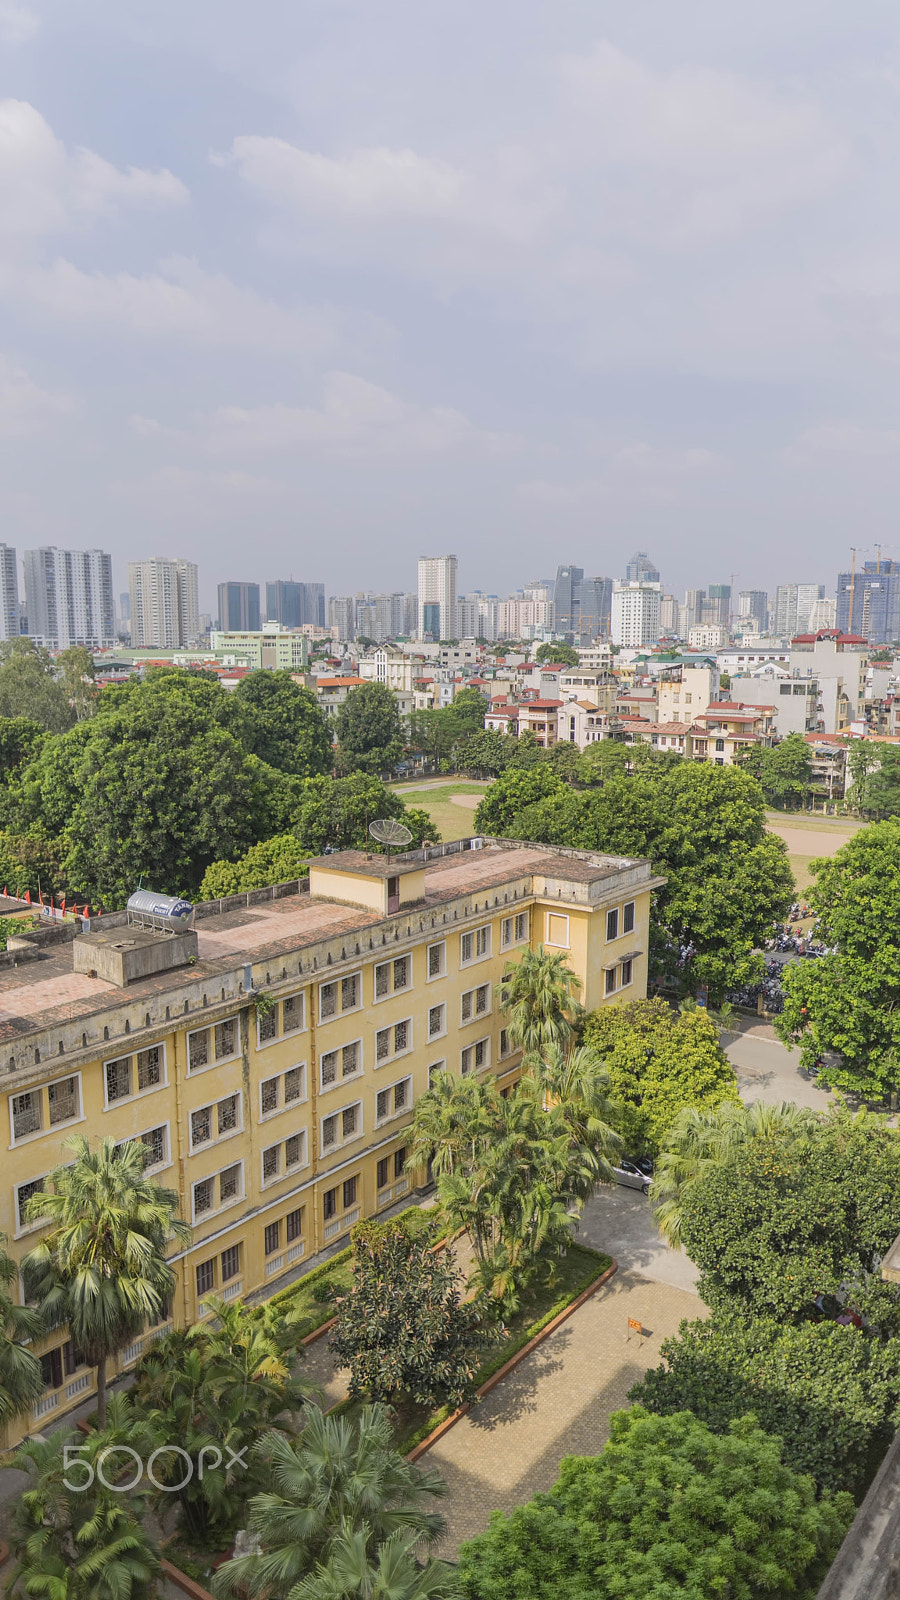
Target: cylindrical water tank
{"x": 165, "y": 906}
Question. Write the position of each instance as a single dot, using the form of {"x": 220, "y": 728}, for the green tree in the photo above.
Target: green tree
{"x": 881, "y": 794}
{"x": 284, "y": 724}
{"x": 29, "y": 686}
{"x": 848, "y": 1001}
{"x": 667, "y": 1508}
{"x": 277, "y": 860}
{"x": 469, "y": 707}
{"x": 511, "y": 794}
{"x": 784, "y": 771}
{"x": 76, "y": 664}
{"x": 525, "y": 752}
{"x": 340, "y": 1477}
{"x": 703, "y": 1138}
{"x": 20, "y": 740}
{"x": 401, "y": 1327}
{"x": 214, "y": 1388}
{"x": 658, "y": 1061}
{"x": 20, "y": 1371}
{"x": 74, "y": 1538}
{"x": 336, "y": 812}
{"x": 368, "y": 730}
{"x": 391, "y": 1572}
{"x": 563, "y": 758}
{"x": 562, "y": 654}
{"x": 101, "y": 1267}
{"x": 483, "y": 754}
{"x": 785, "y": 1220}
{"x": 151, "y": 785}
{"x": 539, "y": 995}
{"x": 830, "y": 1392}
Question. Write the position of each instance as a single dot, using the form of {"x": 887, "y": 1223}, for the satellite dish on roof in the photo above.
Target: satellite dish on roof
{"x": 391, "y": 833}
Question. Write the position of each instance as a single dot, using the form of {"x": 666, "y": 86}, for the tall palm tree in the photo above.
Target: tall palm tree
{"x": 339, "y": 1478}
{"x": 699, "y": 1141}
{"x": 450, "y": 1123}
{"x": 101, "y": 1268}
{"x": 539, "y": 995}
{"x": 74, "y": 1538}
{"x": 578, "y": 1082}
{"x": 20, "y": 1372}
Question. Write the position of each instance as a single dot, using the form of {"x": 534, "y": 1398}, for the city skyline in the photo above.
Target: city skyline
{"x": 279, "y": 295}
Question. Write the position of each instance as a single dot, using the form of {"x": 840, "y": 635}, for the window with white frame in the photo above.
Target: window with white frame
{"x": 211, "y": 1123}
{"x": 335, "y": 1066}
{"x": 514, "y": 930}
{"x": 628, "y": 917}
{"x": 618, "y": 977}
{"x": 436, "y": 960}
{"x": 283, "y": 1018}
{"x": 64, "y": 1100}
{"x": 437, "y": 1021}
{"x": 625, "y": 974}
{"x": 612, "y": 923}
{"x": 475, "y": 1003}
{"x": 433, "y": 1070}
{"x": 340, "y": 996}
{"x": 475, "y": 1057}
{"x": 26, "y": 1113}
{"x": 393, "y": 1100}
{"x": 392, "y": 977}
{"x": 209, "y": 1195}
{"x": 24, "y": 1191}
{"x": 506, "y": 1046}
{"x": 134, "y": 1074}
{"x": 283, "y": 1159}
{"x": 156, "y": 1147}
{"x": 282, "y": 1092}
{"x": 393, "y": 1041}
{"x": 341, "y": 1127}
{"x": 475, "y": 946}
{"x": 207, "y": 1046}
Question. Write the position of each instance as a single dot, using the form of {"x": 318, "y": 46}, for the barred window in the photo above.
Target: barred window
{"x": 228, "y": 1114}
{"x": 230, "y": 1183}
{"x": 118, "y": 1079}
{"x": 271, "y": 1162}
{"x": 351, "y": 1186}
{"x": 349, "y": 1121}
{"x": 267, "y": 1025}
{"x": 292, "y": 1013}
{"x": 329, "y": 1204}
{"x": 26, "y": 1113}
{"x": 206, "y": 1276}
{"x": 436, "y": 1021}
{"x": 294, "y": 1085}
{"x": 201, "y": 1126}
{"x": 271, "y": 1237}
{"x": 150, "y": 1067}
{"x": 295, "y": 1151}
{"x": 23, "y": 1195}
{"x": 401, "y": 973}
{"x": 203, "y": 1196}
{"x": 268, "y": 1095}
{"x": 198, "y": 1050}
{"x": 154, "y": 1142}
{"x": 231, "y": 1262}
{"x": 294, "y": 1224}
{"x": 62, "y": 1100}
{"x": 225, "y": 1038}
{"x": 437, "y": 960}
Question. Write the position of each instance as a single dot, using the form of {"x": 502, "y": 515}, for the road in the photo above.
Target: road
{"x": 766, "y": 1071}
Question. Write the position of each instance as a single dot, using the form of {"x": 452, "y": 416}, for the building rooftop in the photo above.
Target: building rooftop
{"x": 43, "y": 991}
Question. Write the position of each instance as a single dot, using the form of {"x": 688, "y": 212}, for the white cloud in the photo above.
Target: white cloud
{"x": 45, "y": 188}
{"x": 374, "y": 182}
{"x": 24, "y": 406}
{"x": 17, "y": 23}
{"x": 355, "y": 419}
{"x": 179, "y": 301}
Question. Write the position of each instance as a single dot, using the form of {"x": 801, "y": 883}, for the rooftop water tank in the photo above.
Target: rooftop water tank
{"x": 166, "y": 910}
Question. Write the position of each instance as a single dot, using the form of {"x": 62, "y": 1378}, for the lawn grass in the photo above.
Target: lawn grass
{"x": 452, "y": 822}
{"x": 803, "y": 878}
{"x": 540, "y": 1303}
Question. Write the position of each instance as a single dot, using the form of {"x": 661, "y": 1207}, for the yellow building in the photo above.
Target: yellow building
{"x": 270, "y": 1058}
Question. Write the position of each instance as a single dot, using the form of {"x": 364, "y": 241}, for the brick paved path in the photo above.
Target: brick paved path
{"x": 556, "y": 1403}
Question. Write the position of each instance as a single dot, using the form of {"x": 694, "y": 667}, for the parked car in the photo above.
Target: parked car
{"x": 635, "y": 1173}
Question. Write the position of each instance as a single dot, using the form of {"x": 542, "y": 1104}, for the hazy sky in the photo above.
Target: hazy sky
{"x": 318, "y": 286}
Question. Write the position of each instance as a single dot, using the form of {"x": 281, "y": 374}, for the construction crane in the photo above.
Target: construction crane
{"x": 852, "y": 587}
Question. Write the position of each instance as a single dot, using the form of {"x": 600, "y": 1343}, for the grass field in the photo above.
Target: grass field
{"x": 454, "y": 821}
{"x": 808, "y": 838}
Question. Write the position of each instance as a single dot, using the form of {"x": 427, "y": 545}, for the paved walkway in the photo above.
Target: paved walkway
{"x": 556, "y": 1403}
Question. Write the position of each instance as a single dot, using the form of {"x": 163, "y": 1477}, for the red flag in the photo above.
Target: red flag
{"x": 28, "y": 897}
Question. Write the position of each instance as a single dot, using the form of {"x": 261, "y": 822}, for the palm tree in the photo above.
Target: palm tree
{"x": 101, "y": 1269}
{"x": 578, "y": 1082}
{"x": 699, "y": 1141}
{"x": 340, "y": 1478}
{"x": 450, "y": 1123}
{"x": 391, "y": 1572}
{"x": 20, "y": 1372}
{"x": 539, "y": 995}
{"x": 74, "y": 1538}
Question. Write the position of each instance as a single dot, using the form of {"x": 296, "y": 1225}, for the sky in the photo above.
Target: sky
{"x": 311, "y": 288}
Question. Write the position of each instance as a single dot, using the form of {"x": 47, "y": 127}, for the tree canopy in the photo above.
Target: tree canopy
{"x": 284, "y": 725}
{"x": 848, "y": 1001}
{"x": 828, "y": 1391}
{"x": 702, "y": 826}
{"x": 31, "y": 687}
{"x": 668, "y": 1507}
{"x": 658, "y": 1061}
{"x": 785, "y": 1220}
{"x": 783, "y": 770}
{"x": 368, "y": 730}
{"x": 565, "y": 654}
